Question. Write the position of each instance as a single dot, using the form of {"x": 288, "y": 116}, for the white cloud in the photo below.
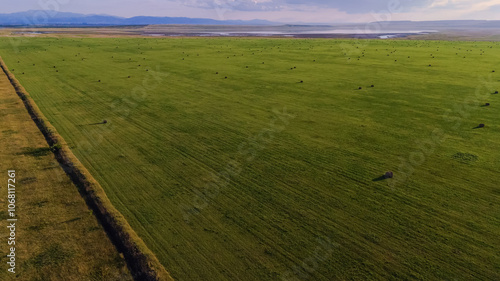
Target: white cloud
{"x": 453, "y": 10}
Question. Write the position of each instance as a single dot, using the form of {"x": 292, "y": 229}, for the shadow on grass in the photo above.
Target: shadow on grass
{"x": 381, "y": 178}
{"x": 36, "y": 152}
{"x": 478, "y": 127}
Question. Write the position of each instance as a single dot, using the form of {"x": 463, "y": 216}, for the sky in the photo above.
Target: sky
{"x": 287, "y": 11}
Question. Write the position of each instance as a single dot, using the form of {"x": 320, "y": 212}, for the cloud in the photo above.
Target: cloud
{"x": 238, "y": 5}
{"x": 351, "y": 7}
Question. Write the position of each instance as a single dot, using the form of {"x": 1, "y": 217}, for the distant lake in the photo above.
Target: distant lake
{"x": 361, "y": 31}
{"x": 382, "y": 34}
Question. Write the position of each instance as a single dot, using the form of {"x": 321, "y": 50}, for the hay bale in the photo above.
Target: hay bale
{"x": 481, "y": 126}
{"x": 389, "y": 175}
{"x": 104, "y": 121}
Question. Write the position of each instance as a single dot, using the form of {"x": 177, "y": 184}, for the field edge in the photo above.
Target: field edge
{"x": 141, "y": 261}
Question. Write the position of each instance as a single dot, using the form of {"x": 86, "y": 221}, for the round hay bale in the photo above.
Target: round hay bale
{"x": 487, "y": 104}
{"x": 360, "y": 88}
{"x": 481, "y": 126}
{"x": 104, "y": 121}
{"x": 389, "y": 175}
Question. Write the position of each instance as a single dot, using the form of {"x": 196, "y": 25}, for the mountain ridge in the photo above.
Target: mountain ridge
{"x": 48, "y": 17}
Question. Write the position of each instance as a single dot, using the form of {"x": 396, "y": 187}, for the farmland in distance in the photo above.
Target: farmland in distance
{"x": 261, "y": 159}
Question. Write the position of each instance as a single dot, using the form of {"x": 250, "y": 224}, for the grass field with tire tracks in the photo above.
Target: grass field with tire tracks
{"x": 261, "y": 159}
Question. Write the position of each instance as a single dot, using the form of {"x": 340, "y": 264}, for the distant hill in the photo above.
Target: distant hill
{"x": 44, "y": 18}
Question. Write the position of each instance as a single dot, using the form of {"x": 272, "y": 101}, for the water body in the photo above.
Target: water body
{"x": 326, "y": 33}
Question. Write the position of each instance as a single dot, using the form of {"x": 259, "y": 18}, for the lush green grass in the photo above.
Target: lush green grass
{"x": 313, "y": 176}
{"x": 57, "y": 236}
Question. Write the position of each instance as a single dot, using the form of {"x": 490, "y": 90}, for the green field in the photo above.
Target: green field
{"x": 258, "y": 176}
{"x": 56, "y": 236}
